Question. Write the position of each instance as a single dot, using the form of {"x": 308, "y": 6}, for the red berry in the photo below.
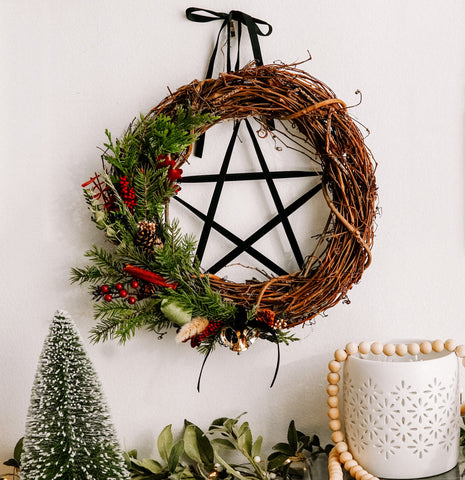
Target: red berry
{"x": 135, "y": 284}
{"x": 118, "y": 286}
{"x": 123, "y": 293}
{"x": 108, "y": 298}
{"x": 104, "y": 288}
{"x": 131, "y": 300}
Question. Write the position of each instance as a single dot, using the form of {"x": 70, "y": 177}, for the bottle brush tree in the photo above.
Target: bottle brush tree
{"x": 69, "y": 434}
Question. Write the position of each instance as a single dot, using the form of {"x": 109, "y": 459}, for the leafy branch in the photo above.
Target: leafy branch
{"x": 202, "y": 455}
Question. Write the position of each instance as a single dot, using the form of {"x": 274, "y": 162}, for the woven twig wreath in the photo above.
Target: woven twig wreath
{"x": 151, "y": 277}
{"x": 281, "y": 92}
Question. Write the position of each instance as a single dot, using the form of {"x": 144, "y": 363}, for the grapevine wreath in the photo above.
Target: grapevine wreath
{"x": 151, "y": 277}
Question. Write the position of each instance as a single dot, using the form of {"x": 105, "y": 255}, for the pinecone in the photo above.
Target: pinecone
{"x": 147, "y": 237}
{"x": 269, "y": 317}
{"x": 146, "y": 290}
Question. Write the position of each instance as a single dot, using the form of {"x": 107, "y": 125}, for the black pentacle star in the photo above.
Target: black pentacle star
{"x": 281, "y": 217}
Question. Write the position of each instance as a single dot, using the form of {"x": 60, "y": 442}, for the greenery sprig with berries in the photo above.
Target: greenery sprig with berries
{"x": 149, "y": 277}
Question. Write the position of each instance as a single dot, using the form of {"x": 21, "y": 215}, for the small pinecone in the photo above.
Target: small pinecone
{"x": 269, "y": 317}
{"x": 146, "y": 290}
{"x": 147, "y": 236}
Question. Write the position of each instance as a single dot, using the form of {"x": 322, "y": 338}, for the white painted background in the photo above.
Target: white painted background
{"x": 71, "y": 69}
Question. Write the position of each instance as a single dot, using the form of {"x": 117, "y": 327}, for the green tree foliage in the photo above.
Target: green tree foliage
{"x": 69, "y": 434}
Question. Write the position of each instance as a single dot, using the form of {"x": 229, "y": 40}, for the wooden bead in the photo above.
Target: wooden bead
{"x": 333, "y": 413}
{"x": 460, "y": 351}
{"x": 367, "y": 476}
{"x": 332, "y": 390}
{"x": 364, "y": 348}
{"x": 355, "y": 469}
{"x": 450, "y": 345}
{"x": 401, "y": 349}
{"x": 333, "y": 456}
{"x": 350, "y": 463}
{"x": 337, "y": 436}
{"x": 334, "y": 366}
{"x": 413, "y": 349}
{"x": 438, "y": 345}
{"x": 376, "y": 348}
{"x": 332, "y": 401}
{"x": 360, "y": 473}
{"x": 351, "y": 348}
{"x": 335, "y": 473}
{"x": 340, "y": 355}
{"x": 335, "y": 425}
{"x": 341, "y": 447}
{"x": 389, "y": 349}
{"x": 333, "y": 378}
{"x": 425, "y": 347}
{"x": 345, "y": 457}
{"x": 338, "y": 475}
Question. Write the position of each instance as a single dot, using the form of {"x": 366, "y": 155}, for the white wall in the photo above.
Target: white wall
{"x": 72, "y": 69}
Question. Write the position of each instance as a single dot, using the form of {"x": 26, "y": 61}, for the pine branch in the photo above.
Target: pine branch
{"x": 104, "y": 261}
{"x": 203, "y": 304}
{"x": 120, "y": 320}
{"x": 115, "y": 149}
{"x": 281, "y": 337}
{"x": 151, "y": 193}
{"x": 89, "y": 274}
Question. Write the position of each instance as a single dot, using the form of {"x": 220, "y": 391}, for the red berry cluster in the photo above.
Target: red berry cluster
{"x": 127, "y": 193}
{"x": 120, "y": 291}
{"x": 210, "y": 330}
{"x": 174, "y": 174}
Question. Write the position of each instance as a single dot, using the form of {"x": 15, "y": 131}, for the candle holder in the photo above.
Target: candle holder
{"x": 402, "y": 416}
{"x": 401, "y": 409}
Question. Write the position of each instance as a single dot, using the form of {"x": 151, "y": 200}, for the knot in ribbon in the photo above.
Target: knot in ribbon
{"x": 202, "y": 15}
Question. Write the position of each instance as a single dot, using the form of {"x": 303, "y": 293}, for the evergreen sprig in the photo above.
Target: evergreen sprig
{"x": 128, "y": 202}
{"x": 119, "y": 320}
{"x": 148, "y": 184}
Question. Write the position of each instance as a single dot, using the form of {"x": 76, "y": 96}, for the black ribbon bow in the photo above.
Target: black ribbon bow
{"x": 253, "y": 27}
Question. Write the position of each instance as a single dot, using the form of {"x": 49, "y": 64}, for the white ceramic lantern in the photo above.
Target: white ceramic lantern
{"x": 402, "y": 414}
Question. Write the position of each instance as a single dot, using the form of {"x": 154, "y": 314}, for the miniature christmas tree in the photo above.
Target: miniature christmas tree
{"x": 69, "y": 434}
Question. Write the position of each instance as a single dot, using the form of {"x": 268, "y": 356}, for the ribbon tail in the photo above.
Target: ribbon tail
{"x": 210, "y": 348}
{"x": 278, "y": 359}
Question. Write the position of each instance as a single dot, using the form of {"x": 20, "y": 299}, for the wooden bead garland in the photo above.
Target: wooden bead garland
{"x": 340, "y": 454}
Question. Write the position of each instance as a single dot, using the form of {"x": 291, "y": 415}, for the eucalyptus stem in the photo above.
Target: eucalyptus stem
{"x": 228, "y": 467}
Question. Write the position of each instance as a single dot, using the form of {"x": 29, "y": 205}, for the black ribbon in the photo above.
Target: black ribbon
{"x": 282, "y": 212}
{"x": 202, "y": 15}
{"x": 260, "y": 326}
{"x": 276, "y": 198}
{"x": 253, "y": 27}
